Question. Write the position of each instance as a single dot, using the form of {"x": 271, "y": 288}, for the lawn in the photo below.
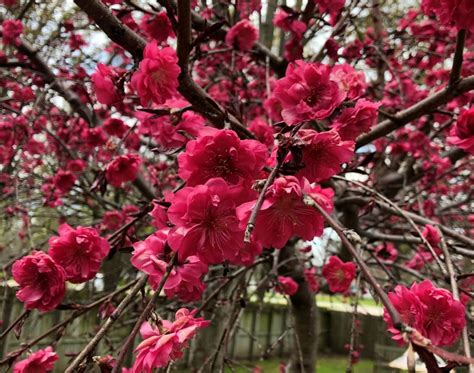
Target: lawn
{"x": 326, "y": 364}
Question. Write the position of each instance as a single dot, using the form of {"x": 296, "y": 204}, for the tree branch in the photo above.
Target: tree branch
{"x": 419, "y": 109}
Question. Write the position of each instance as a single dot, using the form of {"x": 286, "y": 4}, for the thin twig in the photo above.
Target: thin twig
{"x": 90, "y": 347}
{"x": 144, "y": 315}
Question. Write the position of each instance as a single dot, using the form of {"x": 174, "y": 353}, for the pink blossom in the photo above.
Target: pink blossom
{"x": 76, "y": 165}
{"x": 41, "y": 361}
{"x": 41, "y": 280}
{"x": 419, "y": 260}
{"x": 115, "y": 127}
{"x": 311, "y": 279}
{"x": 263, "y": 131}
{"x": 387, "y": 252}
{"x": 171, "y": 131}
{"x": 430, "y": 310}
{"x": 159, "y": 216}
{"x": 289, "y": 22}
{"x": 11, "y": 31}
{"x": 293, "y": 49}
{"x": 221, "y": 154}
{"x": 242, "y": 35}
{"x": 104, "y": 80}
{"x": 459, "y": 13}
{"x": 122, "y": 169}
{"x": 462, "y": 133}
{"x": 284, "y": 213}
{"x": 184, "y": 280}
{"x": 157, "y": 26}
{"x": 432, "y": 235}
{"x": 206, "y": 223}
{"x": 339, "y": 274}
{"x": 349, "y": 80}
{"x": 354, "y": 121}
{"x": 156, "y": 79}
{"x": 64, "y": 181}
{"x": 307, "y": 92}
{"x": 286, "y": 285}
{"x": 165, "y": 343}
{"x": 323, "y": 154}
{"x": 79, "y": 251}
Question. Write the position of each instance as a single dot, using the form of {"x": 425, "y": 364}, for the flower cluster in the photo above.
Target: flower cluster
{"x": 165, "y": 342}
{"x": 430, "y": 310}
{"x": 75, "y": 255}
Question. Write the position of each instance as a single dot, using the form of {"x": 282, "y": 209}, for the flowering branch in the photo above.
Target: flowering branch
{"x": 144, "y": 315}
{"x": 90, "y": 347}
{"x": 397, "y": 322}
{"x": 417, "y": 110}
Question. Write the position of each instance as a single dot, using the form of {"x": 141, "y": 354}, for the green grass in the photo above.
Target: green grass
{"x": 326, "y": 364}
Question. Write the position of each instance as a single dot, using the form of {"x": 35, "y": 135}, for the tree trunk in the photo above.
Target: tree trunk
{"x": 303, "y": 315}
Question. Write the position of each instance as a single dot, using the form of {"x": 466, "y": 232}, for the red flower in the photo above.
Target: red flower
{"x": 41, "y": 361}
{"x": 286, "y": 285}
{"x": 430, "y": 310}
{"x": 242, "y": 35}
{"x": 323, "y": 154}
{"x": 164, "y": 344}
{"x": 289, "y": 22}
{"x": 79, "y": 251}
{"x": 64, "y": 181}
{"x": 459, "y": 13}
{"x": 115, "y": 127}
{"x": 41, "y": 281}
{"x": 432, "y": 235}
{"x": 284, "y": 213}
{"x": 349, "y": 80}
{"x": 122, "y": 169}
{"x": 462, "y": 133}
{"x": 157, "y": 26}
{"x": 263, "y": 131}
{"x": 354, "y": 121}
{"x": 11, "y": 31}
{"x": 307, "y": 93}
{"x": 221, "y": 154}
{"x": 171, "y": 132}
{"x": 104, "y": 80}
{"x": 206, "y": 223}
{"x": 156, "y": 79}
{"x": 338, "y": 274}
{"x": 185, "y": 278}
{"x": 387, "y": 252}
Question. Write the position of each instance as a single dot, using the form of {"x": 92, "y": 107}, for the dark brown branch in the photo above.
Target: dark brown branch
{"x": 419, "y": 109}
{"x": 457, "y": 59}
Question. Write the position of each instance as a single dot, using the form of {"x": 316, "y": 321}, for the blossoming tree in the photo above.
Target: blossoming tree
{"x": 190, "y": 147}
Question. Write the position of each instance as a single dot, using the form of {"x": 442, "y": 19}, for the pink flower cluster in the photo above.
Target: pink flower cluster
{"x": 459, "y": 13}
{"x": 41, "y": 361}
{"x": 165, "y": 342}
{"x": 75, "y": 256}
{"x": 149, "y": 256}
{"x": 11, "y": 31}
{"x": 430, "y": 310}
